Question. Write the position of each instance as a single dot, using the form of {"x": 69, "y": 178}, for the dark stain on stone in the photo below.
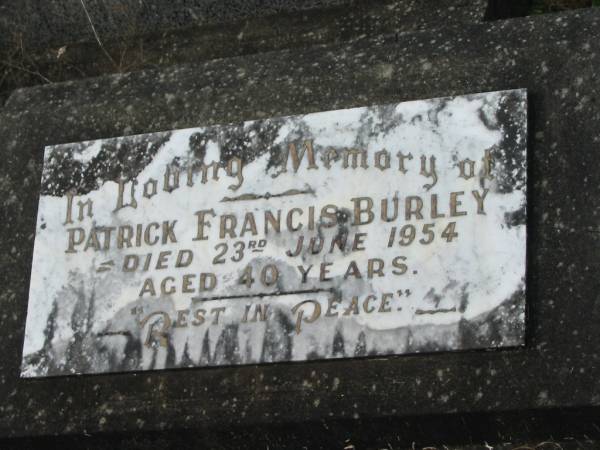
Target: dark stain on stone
{"x": 118, "y": 158}
{"x": 464, "y": 298}
{"x": 501, "y": 325}
{"x": 485, "y": 120}
{"x": 338, "y": 347}
{"x": 433, "y": 114}
{"x": 415, "y": 119}
{"x": 433, "y": 297}
{"x": 516, "y": 218}
{"x": 278, "y": 338}
{"x": 510, "y": 151}
{"x": 227, "y": 350}
{"x": 361, "y": 345}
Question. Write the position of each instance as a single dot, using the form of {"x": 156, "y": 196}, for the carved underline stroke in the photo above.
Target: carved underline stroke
{"x": 421, "y": 312}
{"x": 268, "y": 195}
{"x": 260, "y": 295}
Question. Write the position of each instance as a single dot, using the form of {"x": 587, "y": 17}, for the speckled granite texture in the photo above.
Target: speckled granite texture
{"x": 51, "y": 42}
{"x": 59, "y": 22}
{"x": 555, "y": 57}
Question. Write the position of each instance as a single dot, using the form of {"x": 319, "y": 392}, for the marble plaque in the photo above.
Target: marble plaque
{"x": 380, "y": 230}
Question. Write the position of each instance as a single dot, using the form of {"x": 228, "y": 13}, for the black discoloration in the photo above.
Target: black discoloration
{"x": 361, "y": 345}
{"x": 338, "y": 345}
{"x": 501, "y": 325}
{"x": 227, "y": 350}
{"x": 434, "y": 113}
{"x": 486, "y": 120}
{"x": 464, "y": 298}
{"x": 516, "y": 218}
{"x": 246, "y": 141}
{"x": 118, "y": 158}
{"x": 278, "y": 339}
{"x": 433, "y": 297}
{"x": 508, "y": 155}
{"x": 377, "y": 121}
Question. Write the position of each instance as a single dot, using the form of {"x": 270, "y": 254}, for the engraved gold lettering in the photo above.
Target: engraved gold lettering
{"x": 150, "y": 188}
{"x": 352, "y": 271}
{"x": 181, "y": 318}
{"x": 332, "y": 304}
{"x": 168, "y": 232}
{"x": 297, "y": 157}
{"x": 298, "y": 247}
{"x": 171, "y": 178}
{"x": 228, "y": 223}
{"x": 434, "y": 207}
{"x": 76, "y": 237}
{"x": 163, "y": 257}
{"x": 431, "y": 173}
{"x": 234, "y": 169}
{"x": 325, "y": 271}
{"x": 249, "y": 225}
{"x": 384, "y": 306}
{"x": 401, "y": 157}
{"x": 290, "y": 219}
{"x": 304, "y": 272}
{"x": 275, "y": 223}
{"x": 120, "y": 200}
{"x": 148, "y": 288}
{"x": 217, "y": 312}
{"x": 359, "y": 240}
{"x": 130, "y": 263}
{"x": 339, "y": 241}
{"x": 360, "y": 210}
{"x": 375, "y": 267}
{"x": 148, "y": 238}
{"x": 92, "y": 241}
{"x": 124, "y": 236}
{"x": 199, "y": 317}
{"x": 82, "y": 205}
{"x": 186, "y": 283}
{"x": 487, "y": 165}
{"x": 480, "y": 198}
{"x": 399, "y": 263}
{"x": 316, "y": 248}
{"x": 164, "y": 290}
{"x": 384, "y": 210}
{"x": 366, "y": 307}
{"x": 330, "y": 155}
{"x": 299, "y": 311}
{"x": 382, "y": 160}
{"x": 208, "y": 281}
{"x": 354, "y": 154}
{"x": 353, "y": 307}
{"x": 329, "y": 216}
{"x": 160, "y": 334}
{"x": 455, "y": 203}
{"x": 200, "y": 235}
{"x": 466, "y": 168}
{"x": 69, "y": 218}
{"x": 409, "y": 210}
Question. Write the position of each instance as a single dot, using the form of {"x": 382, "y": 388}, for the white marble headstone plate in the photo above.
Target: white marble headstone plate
{"x": 380, "y": 230}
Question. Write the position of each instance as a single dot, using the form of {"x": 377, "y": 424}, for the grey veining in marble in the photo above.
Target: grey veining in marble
{"x": 378, "y": 230}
